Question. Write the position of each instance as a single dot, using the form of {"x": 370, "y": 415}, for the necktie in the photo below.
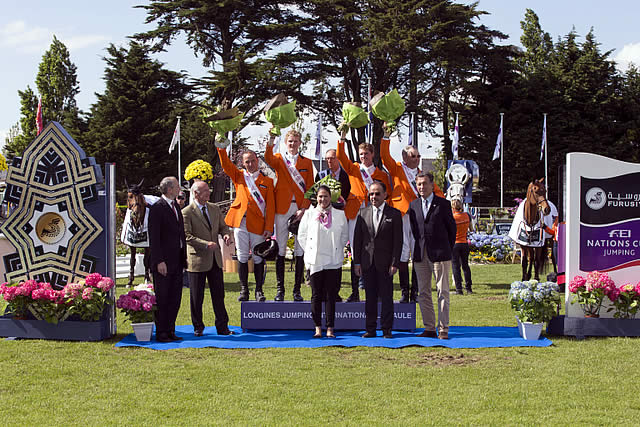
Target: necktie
{"x": 175, "y": 210}
{"x": 206, "y": 217}
{"x": 377, "y": 219}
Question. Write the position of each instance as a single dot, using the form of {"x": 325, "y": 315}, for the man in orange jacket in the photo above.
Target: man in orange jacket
{"x": 404, "y": 192}
{"x": 361, "y": 176}
{"x": 295, "y": 176}
{"x": 251, "y": 215}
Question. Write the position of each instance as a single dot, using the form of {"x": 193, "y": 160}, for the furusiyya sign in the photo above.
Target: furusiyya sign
{"x": 603, "y": 220}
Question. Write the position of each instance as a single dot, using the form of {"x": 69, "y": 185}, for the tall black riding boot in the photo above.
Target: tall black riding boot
{"x": 355, "y": 292}
{"x": 299, "y": 277}
{"x": 243, "y": 274}
{"x": 258, "y": 273}
{"x": 413, "y": 294}
{"x": 279, "y": 278}
{"x": 403, "y": 275}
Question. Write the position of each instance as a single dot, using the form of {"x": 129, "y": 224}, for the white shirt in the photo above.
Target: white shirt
{"x": 291, "y": 158}
{"x": 377, "y": 217}
{"x": 370, "y": 169}
{"x": 254, "y": 175}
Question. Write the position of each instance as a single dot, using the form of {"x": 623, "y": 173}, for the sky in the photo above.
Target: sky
{"x": 88, "y": 27}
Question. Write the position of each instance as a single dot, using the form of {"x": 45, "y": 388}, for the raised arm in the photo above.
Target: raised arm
{"x": 228, "y": 166}
{"x": 346, "y": 164}
{"x": 269, "y": 157}
{"x": 385, "y": 155}
{"x": 270, "y": 210}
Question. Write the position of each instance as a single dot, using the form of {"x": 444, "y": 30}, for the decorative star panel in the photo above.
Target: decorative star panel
{"x": 50, "y": 227}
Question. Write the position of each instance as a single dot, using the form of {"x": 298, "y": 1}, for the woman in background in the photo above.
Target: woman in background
{"x": 461, "y": 248}
{"x": 323, "y": 234}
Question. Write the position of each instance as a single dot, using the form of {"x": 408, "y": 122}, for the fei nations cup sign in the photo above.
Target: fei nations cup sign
{"x": 603, "y": 220}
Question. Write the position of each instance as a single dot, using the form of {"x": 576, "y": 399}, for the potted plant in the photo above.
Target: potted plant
{"x": 138, "y": 305}
{"x": 18, "y": 297}
{"x": 590, "y": 292}
{"x": 534, "y": 303}
{"x": 626, "y": 301}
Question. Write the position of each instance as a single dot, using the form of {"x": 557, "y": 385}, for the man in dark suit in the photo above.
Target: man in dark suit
{"x": 434, "y": 231}
{"x": 203, "y": 222}
{"x": 335, "y": 170}
{"x": 377, "y": 246}
{"x": 168, "y": 258}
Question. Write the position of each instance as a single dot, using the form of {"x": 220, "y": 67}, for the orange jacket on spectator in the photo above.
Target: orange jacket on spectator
{"x": 403, "y": 193}
{"x": 286, "y": 188}
{"x": 244, "y": 203}
{"x": 358, "y": 187}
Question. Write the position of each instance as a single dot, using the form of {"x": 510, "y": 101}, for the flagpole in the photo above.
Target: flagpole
{"x": 502, "y": 161}
{"x": 546, "y": 143}
{"x": 179, "y": 160}
{"x": 231, "y": 186}
{"x": 370, "y": 124}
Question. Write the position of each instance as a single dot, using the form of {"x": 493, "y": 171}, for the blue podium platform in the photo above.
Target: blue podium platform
{"x": 291, "y": 315}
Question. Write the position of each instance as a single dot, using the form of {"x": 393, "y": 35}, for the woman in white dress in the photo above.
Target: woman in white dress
{"x": 323, "y": 234}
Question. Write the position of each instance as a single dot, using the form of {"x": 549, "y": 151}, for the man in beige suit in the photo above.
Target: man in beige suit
{"x": 203, "y": 222}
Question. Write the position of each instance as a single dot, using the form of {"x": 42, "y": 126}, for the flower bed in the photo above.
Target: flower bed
{"x": 490, "y": 248}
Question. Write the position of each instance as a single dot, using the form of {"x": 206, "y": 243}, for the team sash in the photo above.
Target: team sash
{"x": 255, "y": 192}
{"x": 295, "y": 175}
{"x": 411, "y": 178}
{"x": 368, "y": 179}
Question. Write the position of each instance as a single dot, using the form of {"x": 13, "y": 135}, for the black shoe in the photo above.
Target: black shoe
{"x": 413, "y": 297}
{"x": 387, "y": 334}
{"x": 198, "y": 333}
{"x": 297, "y": 297}
{"x": 405, "y": 297}
{"x": 428, "y": 334}
{"x": 163, "y": 338}
{"x": 369, "y": 335}
{"x": 469, "y": 291}
{"x": 244, "y": 296}
{"x": 225, "y": 332}
{"x": 260, "y": 296}
{"x": 459, "y": 292}
{"x": 279, "y": 296}
{"x": 174, "y": 337}
{"x": 354, "y": 297}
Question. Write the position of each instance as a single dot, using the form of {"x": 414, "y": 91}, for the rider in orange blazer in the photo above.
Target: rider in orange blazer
{"x": 290, "y": 201}
{"x": 358, "y": 197}
{"x": 250, "y": 225}
{"x": 404, "y": 192}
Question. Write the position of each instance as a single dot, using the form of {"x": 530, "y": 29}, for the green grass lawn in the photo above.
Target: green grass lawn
{"x": 573, "y": 382}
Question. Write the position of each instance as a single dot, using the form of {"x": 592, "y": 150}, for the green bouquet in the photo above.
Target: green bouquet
{"x": 223, "y": 122}
{"x": 330, "y": 182}
{"x": 353, "y": 115}
{"x": 280, "y": 113}
{"x": 388, "y": 108}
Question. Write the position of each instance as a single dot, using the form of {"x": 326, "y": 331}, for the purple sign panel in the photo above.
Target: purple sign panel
{"x": 609, "y": 222}
{"x": 610, "y": 247}
{"x": 297, "y": 315}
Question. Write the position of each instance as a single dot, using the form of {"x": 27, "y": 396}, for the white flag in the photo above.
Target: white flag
{"x": 544, "y": 137}
{"x": 456, "y": 138}
{"x": 496, "y": 151}
{"x": 176, "y": 137}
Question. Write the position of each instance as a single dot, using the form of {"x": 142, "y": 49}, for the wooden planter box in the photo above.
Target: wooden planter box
{"x": 68, "y": 330}
{"x": 581, "y": 327}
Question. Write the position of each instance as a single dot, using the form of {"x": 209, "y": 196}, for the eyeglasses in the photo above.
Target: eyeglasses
{"x": 180, "y": 197}
{"x": 414, "y": 156}
{"x": 374, "y": 193}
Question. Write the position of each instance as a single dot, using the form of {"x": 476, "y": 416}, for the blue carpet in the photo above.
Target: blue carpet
{"x": 459, "y": 337}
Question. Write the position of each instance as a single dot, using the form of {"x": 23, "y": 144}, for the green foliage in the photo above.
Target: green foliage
{"x": 133, "y": 120}
{"x": 57, "y": 84}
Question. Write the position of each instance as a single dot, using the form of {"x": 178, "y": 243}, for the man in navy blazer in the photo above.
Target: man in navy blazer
{"x": 434, "y": 230}
{"x": 377, "y": 246}
{"x": 168, "y": 258}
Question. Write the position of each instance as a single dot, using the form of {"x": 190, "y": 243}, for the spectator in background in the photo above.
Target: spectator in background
{"x": 460, "y": 255}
